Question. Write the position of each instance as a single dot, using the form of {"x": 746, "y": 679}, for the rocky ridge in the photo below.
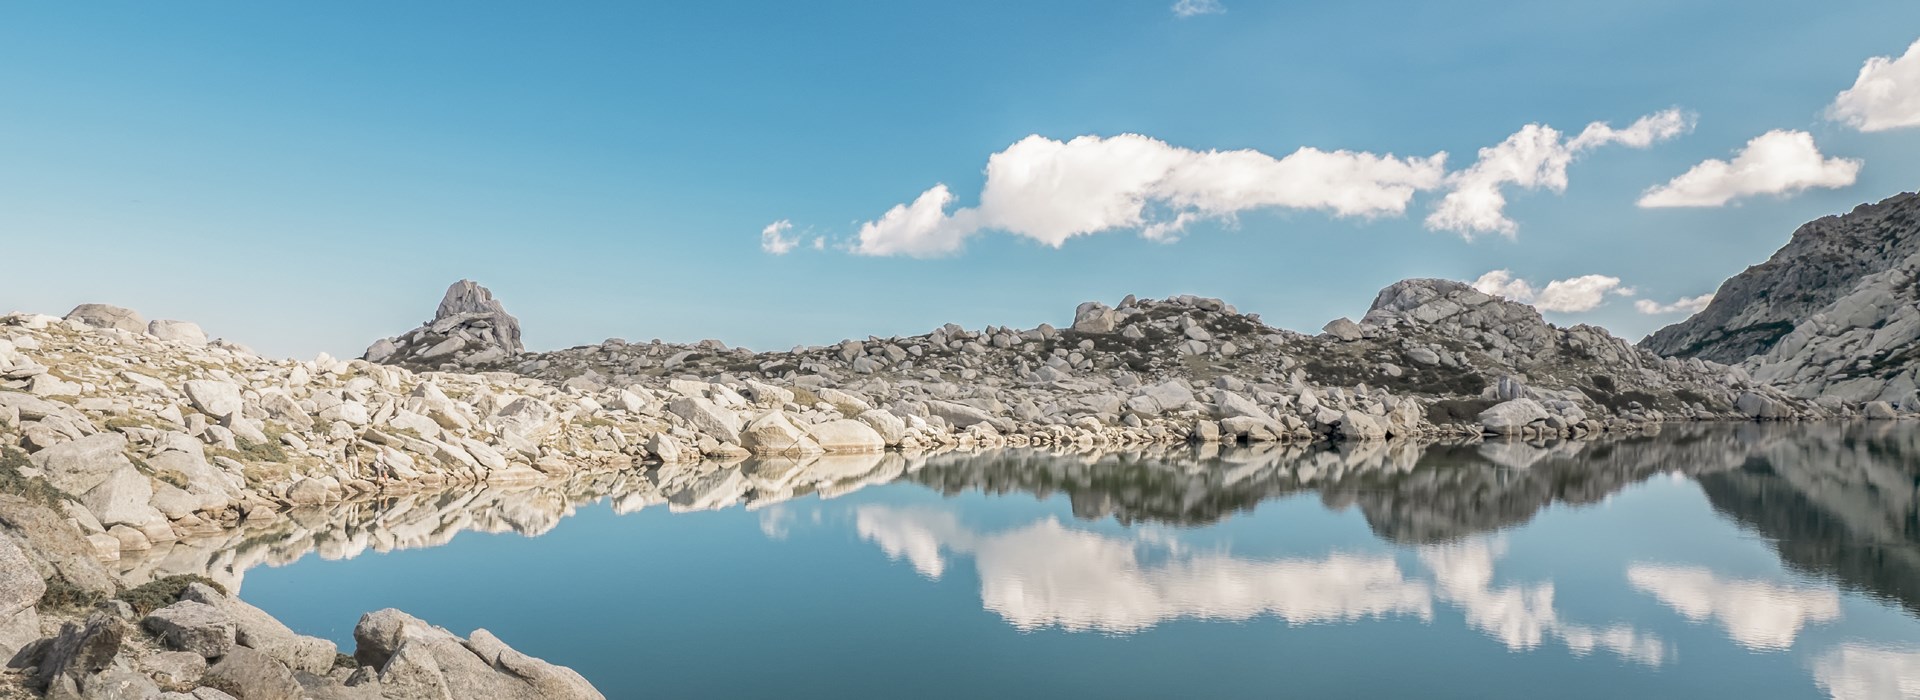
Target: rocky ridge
{"x": 1833, "y": 315}
{"x": 119, "y": 438}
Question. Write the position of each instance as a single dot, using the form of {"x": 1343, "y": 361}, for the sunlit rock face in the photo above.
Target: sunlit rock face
{"x": 1753, "y": 310}
{"x": 1833, "y": 314}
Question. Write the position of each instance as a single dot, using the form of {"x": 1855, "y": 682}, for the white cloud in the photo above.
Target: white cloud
{"x": 1189, "y": 8}
{"x": 1691, "y": 305}
{"x": 1757, "y": 615}
{"x": 1573, "y": 295}
{"x": 1051, "y": 191}
{"x": 1533, "y": 158}
{"x": 773, "y": 238}
{"x": 1885, "y": 96}
{"x": 1502, "y": 283}
{"x": 1778, "y": 162}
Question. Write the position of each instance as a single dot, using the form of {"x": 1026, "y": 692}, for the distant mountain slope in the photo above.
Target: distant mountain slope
{"x": 1824, "y": 261}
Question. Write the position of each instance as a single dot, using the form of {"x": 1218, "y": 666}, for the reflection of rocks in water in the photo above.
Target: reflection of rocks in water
{"x": 1456, "y": 492}
{"x": 405, "y": 522}
{"x": 1181, "y": 484}
{"x": 1409, "y": 492}
{"x": 1839, "y": 504}
{"x": 421, "y": 520}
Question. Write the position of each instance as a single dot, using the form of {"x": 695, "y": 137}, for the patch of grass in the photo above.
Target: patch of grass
{"x": 250, "y": 452}
{"x": 35, "y": 489}
{"x": 162, "y": 592}
{"x": 176, "y": 478}
{"x": 804, "y": 396}
{"x": 1691, "y": 397}
{"x": 224, "y": 685}
{"x": 126, "y": 422}
{"x": 63, "y": 595}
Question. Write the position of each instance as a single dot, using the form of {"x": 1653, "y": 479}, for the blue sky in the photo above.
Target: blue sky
{"x": 308, "y": 177}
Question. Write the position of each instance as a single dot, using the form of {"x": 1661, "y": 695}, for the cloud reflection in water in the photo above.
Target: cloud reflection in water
{"x": 1045, "y": 574}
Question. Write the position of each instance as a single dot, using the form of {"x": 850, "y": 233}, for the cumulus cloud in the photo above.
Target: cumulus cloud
{"x": 1051, "y": 191}
{"x": 1885, "y": 96}
{"x": 1778, "y": 162}
{"x": 1535, "y": 157}
{"x": 1573, "y": 295}
{"x": 1189, "y": 8}
{"x": 773, "y": 238}
{"x": 1691, "y": 305}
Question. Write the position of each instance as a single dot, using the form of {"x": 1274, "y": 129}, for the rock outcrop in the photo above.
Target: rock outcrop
{"x": 470, "y": 329}
{"x": 1834, "y": 314}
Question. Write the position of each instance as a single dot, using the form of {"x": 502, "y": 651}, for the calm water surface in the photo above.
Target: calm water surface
{"x": 1723, "y": 562}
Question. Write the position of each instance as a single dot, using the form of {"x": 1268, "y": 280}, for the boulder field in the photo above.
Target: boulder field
{"x": 120, "y": 436}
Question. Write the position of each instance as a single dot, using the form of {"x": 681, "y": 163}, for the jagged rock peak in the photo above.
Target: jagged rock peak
{"x": 469, "y": 329}
{"x": 468, "y": 297}
{"x": 1826, "y": 258}
{"x": 1432, "y": 301}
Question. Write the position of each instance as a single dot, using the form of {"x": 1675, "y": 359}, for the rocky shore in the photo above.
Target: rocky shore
{"x": 120, "y": 437}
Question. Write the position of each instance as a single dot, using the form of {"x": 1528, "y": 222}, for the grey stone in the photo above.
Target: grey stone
{"x": 846, "y": 435}
{"x": 214, "y": 398}
{"x": 255, "y": 629}
{"x": 108, "y": 316}
{"x": 1342, "y": 328}
{"x": 773, "y": 433}
{"x": 706, "y": 417}
{"x": 80, "y": 465}
{"x": 194, "y": 626}
{"x": 256, "y": 675}
{"x": 1507, "y": 418}
{"x": 178, "y": 331}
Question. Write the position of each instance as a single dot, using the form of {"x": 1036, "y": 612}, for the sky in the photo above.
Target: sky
{"x": 310, "y": 177}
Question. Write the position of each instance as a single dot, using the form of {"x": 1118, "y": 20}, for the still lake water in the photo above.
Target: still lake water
{"x": 1729, "y": 561}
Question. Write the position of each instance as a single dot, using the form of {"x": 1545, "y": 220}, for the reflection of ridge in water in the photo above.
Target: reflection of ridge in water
{"x": 1837, "y": 502}
{"x": 1833, "y": 504}
{"x": 1045, "y": 574}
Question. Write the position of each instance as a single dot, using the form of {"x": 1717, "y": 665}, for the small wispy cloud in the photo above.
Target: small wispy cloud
{"x": 1573, "y": 295}
{"x": 773, "y": 238}
{"x": 1691, "y": 305}
{"x": 1195, "y": 8}
{"x": 1533, "y": 158}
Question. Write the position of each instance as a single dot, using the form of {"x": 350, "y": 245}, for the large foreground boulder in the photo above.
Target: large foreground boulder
{"x": 20, "y": 590}
{"x": 402, "y": 656}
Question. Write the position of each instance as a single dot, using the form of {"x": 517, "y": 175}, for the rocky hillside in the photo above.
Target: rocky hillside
{"x": 120, "y": 438}
{"x": 1833, "y": 314}
{"x": 1429, "y": 356}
